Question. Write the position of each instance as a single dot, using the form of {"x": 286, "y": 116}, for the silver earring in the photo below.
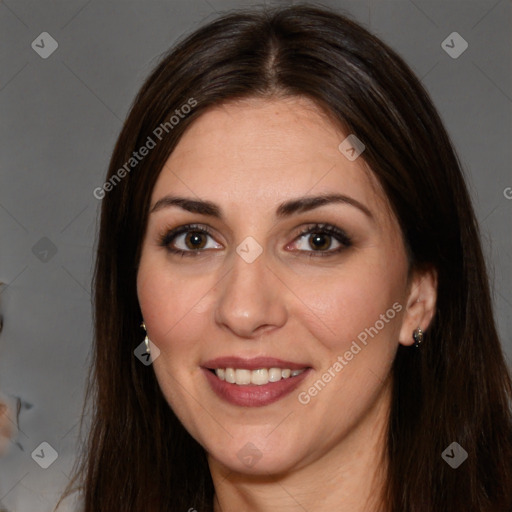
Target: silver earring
{"x": 146, "y": 339}
{"x": 417, "y": 336}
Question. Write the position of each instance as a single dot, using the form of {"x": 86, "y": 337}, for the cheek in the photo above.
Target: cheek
{"x": 335, "y": 307}
{"x": 172, "y": 305}
{"x": 355, "y": 303}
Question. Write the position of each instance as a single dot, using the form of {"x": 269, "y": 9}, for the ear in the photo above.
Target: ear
{"x": 421, "y": 304}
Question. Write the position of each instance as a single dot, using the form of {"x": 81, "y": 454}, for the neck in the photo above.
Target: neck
{"x": 347, "y": 478}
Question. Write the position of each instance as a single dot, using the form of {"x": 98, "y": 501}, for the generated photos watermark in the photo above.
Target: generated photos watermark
{"x": 144, "y": 150}
{"x": 454, "y": 455}
{"x": 45, "y": 455}
{"x": 305, "y": 397}
{"x": 249, "y": 455}
{"x": 351, "y": 147}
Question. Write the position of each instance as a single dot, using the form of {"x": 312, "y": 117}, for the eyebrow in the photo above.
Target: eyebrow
{"x": 285, "y": 209}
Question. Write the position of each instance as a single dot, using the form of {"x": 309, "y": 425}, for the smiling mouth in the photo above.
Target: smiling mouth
{"x": 258, "y": 377}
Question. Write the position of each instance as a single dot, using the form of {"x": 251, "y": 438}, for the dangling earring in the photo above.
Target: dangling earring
{"x": 146, "y": 339}
{"x": 417, "y": 336}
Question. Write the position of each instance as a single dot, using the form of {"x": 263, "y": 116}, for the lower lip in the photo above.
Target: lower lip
{"x": 251, "y": 395}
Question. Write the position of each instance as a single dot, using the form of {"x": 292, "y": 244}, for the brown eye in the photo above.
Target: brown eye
{"x": 320, "y": 241}
{"x": 195, "y": 240}
{"x": 320, "y": 238}
{"x": 188, "y": 240}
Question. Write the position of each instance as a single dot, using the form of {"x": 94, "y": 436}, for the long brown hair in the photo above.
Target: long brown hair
{"x": 456, "y": 388}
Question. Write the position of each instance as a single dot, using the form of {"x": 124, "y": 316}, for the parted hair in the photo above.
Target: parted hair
{"x": 456, "y": 387}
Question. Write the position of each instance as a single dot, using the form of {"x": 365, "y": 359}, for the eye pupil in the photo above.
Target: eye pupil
{"x": 320, "y": 241}
{"x": 194, "y": 237}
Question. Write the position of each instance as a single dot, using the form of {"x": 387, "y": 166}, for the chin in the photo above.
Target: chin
{"x": 250, "y": 460}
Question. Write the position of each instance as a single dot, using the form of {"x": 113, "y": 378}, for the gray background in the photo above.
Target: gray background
{"x": 60, "y": 117}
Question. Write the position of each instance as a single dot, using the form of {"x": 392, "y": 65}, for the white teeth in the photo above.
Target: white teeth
{"x": 230, "y": 375}
{"x": 243, "y": 376}
{"x": 275, "y": 374}
{"x": 259, "y": 377}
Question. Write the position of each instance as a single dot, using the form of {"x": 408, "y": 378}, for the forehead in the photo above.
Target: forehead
{"x": 261, "y": 151}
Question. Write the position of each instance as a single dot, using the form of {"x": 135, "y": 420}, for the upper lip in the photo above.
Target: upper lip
{"x": 251, "y": 364}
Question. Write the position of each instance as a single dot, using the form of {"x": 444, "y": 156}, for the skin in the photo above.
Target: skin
{"x": 7, "y": 427}
{"x": 248, "y": 157}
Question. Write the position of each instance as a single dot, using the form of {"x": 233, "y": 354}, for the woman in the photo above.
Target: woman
{"x": 287, "y": 236}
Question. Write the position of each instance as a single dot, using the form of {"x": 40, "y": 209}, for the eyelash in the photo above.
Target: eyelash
{"x": 317, "y": 229}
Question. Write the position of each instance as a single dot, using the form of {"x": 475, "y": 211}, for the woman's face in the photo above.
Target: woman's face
{"x": 267, "y": 289}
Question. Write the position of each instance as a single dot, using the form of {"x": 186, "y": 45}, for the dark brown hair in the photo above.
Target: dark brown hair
{"x": 455, "y": 388}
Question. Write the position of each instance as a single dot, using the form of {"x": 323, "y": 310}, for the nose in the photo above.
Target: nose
{"x": 251, "y": 299}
